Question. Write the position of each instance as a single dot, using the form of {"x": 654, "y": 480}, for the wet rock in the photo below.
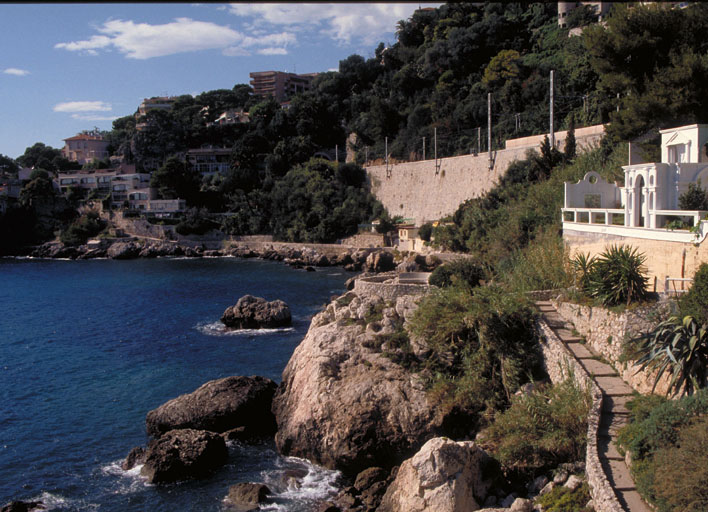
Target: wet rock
{"x": 183, "y": 454}
{"x": 255, "y": 313}
{"x": 219, "y": 406}
{"x": 23, "y": 506}
{"x": 123, "y": 251}
{"x": 134, "y": 458}
{"x": 248, "y": 496}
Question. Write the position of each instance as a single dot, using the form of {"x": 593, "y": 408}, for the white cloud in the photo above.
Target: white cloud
{"x": 16, "y": 72}
{"x": 91, "y": 117}
{"x": 145, "y": 41}
{"x": 366, "y": 23}
{"x": 83, "y": 106}
{"x": 272, "y": 51}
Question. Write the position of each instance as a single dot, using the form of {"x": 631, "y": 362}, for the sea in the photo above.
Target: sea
{"x": 87, "y": 348}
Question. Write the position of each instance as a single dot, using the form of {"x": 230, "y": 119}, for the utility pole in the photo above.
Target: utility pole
{"x": 423, "y": 148}
{"x": 367, "y": 155}
{"x": 517, "y": 119}
{"x": 618, "y": 102}
{"x": 336, "y": 153}
{"x": 435, "y": 136}
{"x": 552, "y": 135}
{"x": 388, "y": 171}
{"x": 479, "y": 140}
{"x": 489, "y": 129}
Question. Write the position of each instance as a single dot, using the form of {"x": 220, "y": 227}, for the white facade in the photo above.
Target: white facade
{"x": 651, "y": 191}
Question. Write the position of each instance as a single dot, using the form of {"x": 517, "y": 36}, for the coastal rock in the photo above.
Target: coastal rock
{"x": 219, "y": 406}
{"x": 342, "y": 403}
{"x": 247, "y": 496}
{"x": 183, "y": 454}
{"x": 444, "y": 476}
{"x": 123, "y": 251}
{"x": 134, "y": 458}
{"x": 255, "y": 313}
{"x": 380, "y": 261}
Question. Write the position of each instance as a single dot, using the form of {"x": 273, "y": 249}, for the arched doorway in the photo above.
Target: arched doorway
{"x": 640, "y": 202}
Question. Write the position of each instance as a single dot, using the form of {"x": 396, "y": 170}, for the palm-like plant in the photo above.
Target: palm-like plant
{"x": 679, "y": 347}
{"x": 617, "y": 276}
{"x": 582, "y": 266}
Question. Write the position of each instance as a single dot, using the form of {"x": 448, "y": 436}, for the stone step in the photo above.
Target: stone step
{"x": 543, "y": 303}
{"x": 610, "y": 424}
{"x": 616, "y": 404}
{"x": 618, "y": 475}
{"x": 598, "y": 368}
{"x": 632, "y": 501}
{"x": 607, "y": 449}
{"x": 567, "y": 336}
{"x": 613, "y": 386}
{"x": 580, "y": 351}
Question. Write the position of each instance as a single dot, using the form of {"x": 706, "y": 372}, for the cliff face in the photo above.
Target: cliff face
{"x": 344, "y": 403}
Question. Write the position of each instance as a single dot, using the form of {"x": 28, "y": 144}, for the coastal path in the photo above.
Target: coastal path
{"x": 615, "y": 394}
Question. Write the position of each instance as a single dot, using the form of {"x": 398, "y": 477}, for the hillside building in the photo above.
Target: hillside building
{"x": 85, "y": 147}
{"x": 280, "y": 85}
{"x": 209, "y": 160}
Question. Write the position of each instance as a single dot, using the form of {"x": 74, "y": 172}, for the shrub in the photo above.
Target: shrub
{"x": 542, "y": 265}
{"x": 463, "y": 271}
{"x": 542, "y": 429}
{"x": 617, "y": 277}
{"x": 82, "y": 229}
{"x": 679, "y": 347}
{"x": 425, "y": 231}
{"x": 694, "y": 198}
{"x": 562, "y": 499}
{"x": 695, "y": 302}
{"x": 195, "y": 221}
{"x": 683, "y": 486}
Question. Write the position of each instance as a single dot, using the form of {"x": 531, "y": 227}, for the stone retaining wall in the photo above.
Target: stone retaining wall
{"x": 560, "y": 364}
{"x": 387, "y": 287}
{"x": 607, "y": 333}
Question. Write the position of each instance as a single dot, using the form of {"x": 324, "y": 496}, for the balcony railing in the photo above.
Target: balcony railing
{"x": 607, "y": 216}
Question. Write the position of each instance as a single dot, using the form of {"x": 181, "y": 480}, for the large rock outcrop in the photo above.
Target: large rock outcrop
{"x": 342, "y": 402}
{"x": 183, "y": 454}
{"x": 255, "y": 313}
{"x": 219, "y": 406}
{"x": 444, "y": 476}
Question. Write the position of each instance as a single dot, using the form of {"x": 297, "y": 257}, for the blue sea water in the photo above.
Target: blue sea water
{"x": 87, "y": 348}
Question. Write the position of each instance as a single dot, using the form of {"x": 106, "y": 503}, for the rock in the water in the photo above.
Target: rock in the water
{"x": 255, "y": 313}
{"x": 219, "y": 406}
{"x": 247, "y": 496}
{"x": 183, "y": 454}
{"x": 135, "y": 457}
{"x": 342, "y": 403}
{"x": 380, "y": 261}
{"x": 444, "y": 476}
{"x": 123, "y": 251}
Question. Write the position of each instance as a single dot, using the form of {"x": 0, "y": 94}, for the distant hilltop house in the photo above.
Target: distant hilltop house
{"x": 230, "y": 117}
{"x": 165, "y": 103}
{"x": 644, "y": 210}
{"x": 85, "y": 147}
{"x": 209, "y": 160}
{"x": 280, "y": 85}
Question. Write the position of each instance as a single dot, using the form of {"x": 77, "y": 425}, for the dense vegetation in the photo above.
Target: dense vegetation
{"x": 668, "y": 441}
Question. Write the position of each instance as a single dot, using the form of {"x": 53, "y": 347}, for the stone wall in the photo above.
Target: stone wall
{"x": 387, "y": 287}
{"x": 416, "y": 191}
{"x": 560, "y": 364}
{"x": 607, "y": 333}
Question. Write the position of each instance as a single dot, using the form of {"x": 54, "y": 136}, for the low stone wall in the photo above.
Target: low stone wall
{"x": 560, "y": 364}
{"x": 608, "y": 332}
{"x": 387, "y": 287}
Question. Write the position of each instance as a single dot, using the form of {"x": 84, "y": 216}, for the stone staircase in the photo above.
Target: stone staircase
{"x": 615, "y": 415}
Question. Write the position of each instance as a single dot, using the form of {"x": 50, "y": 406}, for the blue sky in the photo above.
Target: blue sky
{"x": 71, "y": 67}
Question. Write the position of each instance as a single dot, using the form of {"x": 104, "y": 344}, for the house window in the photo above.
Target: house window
{"x": 677, "y": 153}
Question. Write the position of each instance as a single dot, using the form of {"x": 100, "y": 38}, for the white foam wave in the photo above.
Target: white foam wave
{"x": 219, "y": 329}
{"x": 52, "y": 501}
{"x": 316, "y": 483}
{"x": 129, "y": 481}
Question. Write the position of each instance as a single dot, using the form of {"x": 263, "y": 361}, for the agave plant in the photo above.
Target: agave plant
{"x": 582, "y": 267}
{"x": 679, "y": 347}
{"x": 617, "y": 276}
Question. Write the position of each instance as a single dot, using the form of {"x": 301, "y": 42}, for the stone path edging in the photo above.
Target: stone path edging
{"x": 611, "y": 483}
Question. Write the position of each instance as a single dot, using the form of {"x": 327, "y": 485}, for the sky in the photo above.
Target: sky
{"x": 65, "y": 68}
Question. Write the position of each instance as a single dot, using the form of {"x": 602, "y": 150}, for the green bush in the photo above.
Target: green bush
{"x": 678, "y": 347}
{"x": 657, "y": 428}
{"x": 542, "y": 429}
{"x": 694, "y": 198}
{"x": 695, "y": 302}
{"x": 542, "y": 265}
{"x": 464, "y": 271}
{"x": 562, "y": 499}
{"x": 617, "y": 276}
{"x": 482, "y": 347}
{"x": 195, "y": 222}
{"x": 83, "y": 228}
{"x": 425, "y": 231}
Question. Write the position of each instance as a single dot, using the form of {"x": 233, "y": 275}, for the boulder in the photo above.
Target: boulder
{"x": 219, "y": 406}
{"x": 247, "y": 496}
{"x": 380, "y": 261}
{"x": 342, "y": 403}
{"x": 135, "y": 457}
{"x": 123, "y": 251}
{"x": 23, "y": 506}
{"x": 182, "y": 455}
{"x": 255, "y": 313}
{"x": 444, "y": 476}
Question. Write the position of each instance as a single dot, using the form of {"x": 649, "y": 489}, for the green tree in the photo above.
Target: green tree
{"x": 174, "y": 180}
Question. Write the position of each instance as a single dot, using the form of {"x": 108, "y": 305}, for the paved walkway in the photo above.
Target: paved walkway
{"x": 615, "y": 414}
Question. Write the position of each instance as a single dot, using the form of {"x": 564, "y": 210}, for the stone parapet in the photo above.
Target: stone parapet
{"x": 387, "y": 287}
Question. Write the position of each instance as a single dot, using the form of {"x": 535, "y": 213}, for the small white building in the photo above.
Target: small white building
{"x": 651, "y": 191}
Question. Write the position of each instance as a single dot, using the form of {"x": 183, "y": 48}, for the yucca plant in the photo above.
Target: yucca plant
{"x": 582, "y": 265}
{"x": 617, "y": 276}
{"x": 679, "y": 347}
